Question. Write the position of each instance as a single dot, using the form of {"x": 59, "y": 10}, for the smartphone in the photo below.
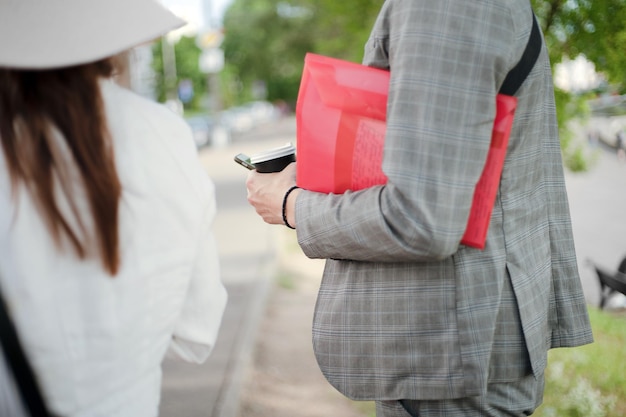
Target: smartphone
{"x": 244, "y": 161}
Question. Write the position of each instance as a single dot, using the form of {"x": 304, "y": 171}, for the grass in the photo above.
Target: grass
{"x": 285, "y": 280}
{"x": 588, "y": 381}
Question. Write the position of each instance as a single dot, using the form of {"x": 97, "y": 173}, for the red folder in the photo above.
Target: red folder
{"x": 340, "y": 115}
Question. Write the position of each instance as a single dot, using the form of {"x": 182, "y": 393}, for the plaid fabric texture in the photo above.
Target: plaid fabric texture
{"x": 512, "y": 399}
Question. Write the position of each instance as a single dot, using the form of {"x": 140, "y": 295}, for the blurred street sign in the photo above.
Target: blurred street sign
{"x": 211, "y": 60}
{"x": 185, "y": 90}
{"x": 210, "y": 39}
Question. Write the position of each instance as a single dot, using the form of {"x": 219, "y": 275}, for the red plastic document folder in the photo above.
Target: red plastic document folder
{"x": 340, "y": 115}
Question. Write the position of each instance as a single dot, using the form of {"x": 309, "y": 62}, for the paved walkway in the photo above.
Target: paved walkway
{"x": 598, "y": 208}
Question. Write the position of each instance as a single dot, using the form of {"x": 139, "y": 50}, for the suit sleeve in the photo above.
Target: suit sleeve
{"x": 447, "y": 60}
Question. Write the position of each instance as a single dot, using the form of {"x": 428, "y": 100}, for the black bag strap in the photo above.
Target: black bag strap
{"x": 18, "y": 363}
{"x": 518, "y": 74}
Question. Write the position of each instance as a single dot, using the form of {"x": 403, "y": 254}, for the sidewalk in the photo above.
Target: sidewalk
{"x": 284, "y": 379}
{"x": 598, "y": 208}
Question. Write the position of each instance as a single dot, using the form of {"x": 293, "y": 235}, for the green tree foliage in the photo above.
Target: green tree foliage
{"x": 267, "y": 40}
{"x": 187, "y": 54}
{"x": 594, "y": 28}
{"x": 342, "y": 27}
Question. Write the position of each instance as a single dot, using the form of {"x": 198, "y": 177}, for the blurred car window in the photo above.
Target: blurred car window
{"x": 202, "y": 128}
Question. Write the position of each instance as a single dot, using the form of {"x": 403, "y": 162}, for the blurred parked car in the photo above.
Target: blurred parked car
{"x": 237, "y": 119}
{"x": 262, "y": 111}
{"x": 246, "y": 117}
{"x": 202, "y": 128}
{"x": 217, "y": 130}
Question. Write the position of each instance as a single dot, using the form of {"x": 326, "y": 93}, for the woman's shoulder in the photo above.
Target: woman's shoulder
{"x": 138, "y": 121}
{"x": 151, "y": 140}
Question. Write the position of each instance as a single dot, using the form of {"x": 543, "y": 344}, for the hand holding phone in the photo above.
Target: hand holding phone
{"x": 272, "y": 160}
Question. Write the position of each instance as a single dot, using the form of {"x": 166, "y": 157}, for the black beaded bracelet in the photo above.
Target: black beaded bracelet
{"x": 285, "y": 206}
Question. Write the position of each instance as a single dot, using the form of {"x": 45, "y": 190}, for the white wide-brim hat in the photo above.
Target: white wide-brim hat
{"x": 43, "y": 34}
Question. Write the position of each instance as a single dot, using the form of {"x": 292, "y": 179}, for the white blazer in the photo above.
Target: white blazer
{"x": 97, "y": 342}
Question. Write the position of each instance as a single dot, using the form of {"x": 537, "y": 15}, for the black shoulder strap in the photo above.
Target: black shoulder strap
{"x": 518, "y": 74}
{"x": 17, "y": 362}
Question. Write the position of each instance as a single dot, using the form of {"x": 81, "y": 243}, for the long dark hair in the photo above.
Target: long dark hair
{"x": 36, "y": 108}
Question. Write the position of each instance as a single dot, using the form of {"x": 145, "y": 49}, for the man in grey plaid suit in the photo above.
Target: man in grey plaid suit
{"x": 406, "y": 315}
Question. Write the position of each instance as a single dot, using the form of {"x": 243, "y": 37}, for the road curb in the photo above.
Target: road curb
{"x": 229, "y": 399}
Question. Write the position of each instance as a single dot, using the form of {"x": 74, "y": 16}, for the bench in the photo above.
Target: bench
{"x": 611, "y": 283}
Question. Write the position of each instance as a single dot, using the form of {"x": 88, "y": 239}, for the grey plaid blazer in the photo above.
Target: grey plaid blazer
{"x": 404, "y": 311}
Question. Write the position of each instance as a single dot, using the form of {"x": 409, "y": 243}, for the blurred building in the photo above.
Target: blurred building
{"x": 577, "y": 75}
{"x": 136, "y": 71}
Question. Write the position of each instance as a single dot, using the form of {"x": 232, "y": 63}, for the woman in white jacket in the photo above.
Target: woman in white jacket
{"x": 107, "y": 258}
